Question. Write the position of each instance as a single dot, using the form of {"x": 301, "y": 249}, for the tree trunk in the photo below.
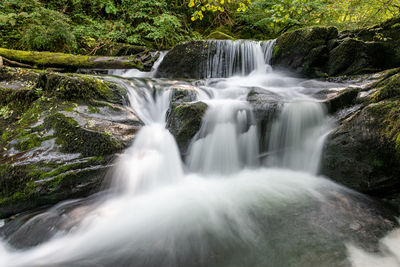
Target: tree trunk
{"x": 68, "y": 61}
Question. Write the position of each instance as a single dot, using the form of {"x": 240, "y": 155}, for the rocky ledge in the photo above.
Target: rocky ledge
{"x": 363, "y": 153}
{"x": 59, "y": 135}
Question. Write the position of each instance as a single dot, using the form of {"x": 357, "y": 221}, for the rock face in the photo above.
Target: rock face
{"x": 185, "y": 61}
{"x": 59, "y": 135}
{"x": 363, "y": 153}
{"x": 320, "y": 51}
{"x": 304, "y": 51}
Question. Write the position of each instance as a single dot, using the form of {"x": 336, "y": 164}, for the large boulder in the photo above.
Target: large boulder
{"x": 363, "y": 153}
{"x": 304, "y": 51}
{"x": 60, "y": 134}
{"x": 185, "y": 61}
{"x": 320, "y": 51}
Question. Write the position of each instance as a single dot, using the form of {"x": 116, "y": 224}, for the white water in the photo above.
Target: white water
{"x": 137, "y": 73}
{"x": 223, "y": 206}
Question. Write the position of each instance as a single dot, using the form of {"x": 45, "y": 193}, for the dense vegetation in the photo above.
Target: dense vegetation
{"x": 86, "y": 27}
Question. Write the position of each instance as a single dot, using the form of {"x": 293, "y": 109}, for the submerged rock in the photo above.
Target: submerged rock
{"x": 59, "y": 136}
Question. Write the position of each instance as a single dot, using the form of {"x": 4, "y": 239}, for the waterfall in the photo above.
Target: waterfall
{"x": 225, "y": 204}
{"x": 296, "y": 140}
{"x": 226, "y": 141}
{"x": 228, "y": 58}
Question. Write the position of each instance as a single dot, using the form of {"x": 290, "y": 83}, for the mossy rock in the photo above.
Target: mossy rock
{"x": 26, "y": 187}
{"x": 342, "y": 99}
{"x": 217, "y": 35}
{"x": 387, "y": 88}
{"x": 318, "y": 51}
{"x": 74, "y": 139}
{"x": 363, "y": 153}
{"x": 304, "y": 50}
{"x": 184, "y": 121}
{"x": 59, "y": 135}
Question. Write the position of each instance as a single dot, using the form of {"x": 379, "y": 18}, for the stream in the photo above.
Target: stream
{"x": 241, "y": 195}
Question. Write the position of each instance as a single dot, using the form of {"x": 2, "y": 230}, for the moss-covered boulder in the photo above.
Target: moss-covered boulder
{"x": 320, "y": 51}
{"x": 59, "y": 136}
{"x": 184, "y": 121}
{"x": 364, "y": 151}
{"x": 304, "y": 51}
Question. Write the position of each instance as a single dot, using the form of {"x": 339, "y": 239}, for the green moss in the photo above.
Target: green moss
{"x": 388, "y": 113}
{"x": 30, "y": 142}
{"x": 61, "y": 60}
{"x": 217, "y": 35}
{"x": 387, "y": 88}
{"x": 93, "y": 109}
{"x": 74, "y": 139}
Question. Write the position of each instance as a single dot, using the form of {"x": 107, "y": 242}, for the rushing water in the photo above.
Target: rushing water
{"x": 231, "y": 202}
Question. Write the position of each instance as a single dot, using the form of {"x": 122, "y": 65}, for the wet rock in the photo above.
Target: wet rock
{"x": 183, "y": 93}
{"x": 184, "y": 121}
{"x": 59, "y": 137}
{"x": 363, "y": 153}
{"x": 266, "y": 106}
{"x": 341, "y": 99}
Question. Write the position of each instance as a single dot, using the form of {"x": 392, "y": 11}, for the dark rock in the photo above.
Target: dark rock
{"x": 304, "y": 51}
{"x": 184, "y": 121}
{"x": 342, "y": 99}
{"x": 363, "y": 153}
{"x": 184, "y": 61}
{"x": 354, "y": 56}
{"x": 59, "y": 137}
{"x": 318, "y": 51}
{"x": 266, "y": 107}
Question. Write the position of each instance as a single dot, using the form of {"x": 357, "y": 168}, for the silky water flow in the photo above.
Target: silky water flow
{"x": 232, "y": 201}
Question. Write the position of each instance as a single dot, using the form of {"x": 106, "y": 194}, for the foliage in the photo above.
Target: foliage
{"x": 269, "y": 18}
{"x": 86, "y": 27}
{"x": 201, "y": 6}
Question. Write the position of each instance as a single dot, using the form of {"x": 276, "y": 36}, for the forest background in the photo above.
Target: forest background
{"x": 85, "y": 27}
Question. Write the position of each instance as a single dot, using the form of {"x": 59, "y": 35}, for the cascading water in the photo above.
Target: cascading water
{"x": 226, "y": 205}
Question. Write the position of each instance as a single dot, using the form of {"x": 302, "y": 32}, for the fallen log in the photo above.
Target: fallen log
{"x": 68, "y": 61}
{"x": 11, "y": 63}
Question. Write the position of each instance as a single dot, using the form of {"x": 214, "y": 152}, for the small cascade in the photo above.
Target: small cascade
{"x": 229, "y": 58}
{"x": 227, "y": 141}
{"x": 297, "y": 136}
{"x": 134, "y": 73}
{"x": 222, "y": 207}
